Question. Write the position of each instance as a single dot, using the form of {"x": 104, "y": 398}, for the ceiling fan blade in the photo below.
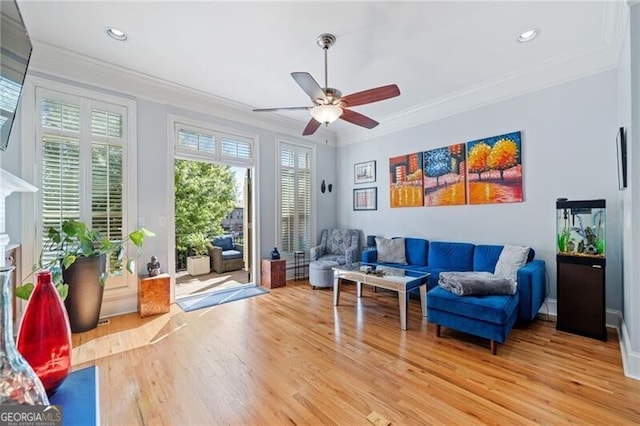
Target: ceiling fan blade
{"x": 281, "y": 109}
{"x": 371, "y": 95}
{"x": 309, "y": 85}
{"x": 311, "y": 128}
{"x": 357, "y": 118}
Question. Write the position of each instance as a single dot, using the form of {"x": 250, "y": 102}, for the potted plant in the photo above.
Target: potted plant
{"x": 198, "y": 263}
{"x": 79, "y": 268}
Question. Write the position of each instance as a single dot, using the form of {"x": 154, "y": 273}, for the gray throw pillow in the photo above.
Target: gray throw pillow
{"x": 511, "y": 259}
{"x": 391, "y": 250}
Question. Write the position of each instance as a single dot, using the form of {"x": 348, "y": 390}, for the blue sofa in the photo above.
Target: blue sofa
{"x": 488, "y": 316}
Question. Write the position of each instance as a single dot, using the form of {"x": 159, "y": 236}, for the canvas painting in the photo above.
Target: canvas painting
{"x": 494, "y": 169}
{"x": 445, "y": 181}
{"x": 405, "y": 181}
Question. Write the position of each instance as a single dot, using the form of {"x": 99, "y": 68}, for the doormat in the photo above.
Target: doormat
{"x": 199, "y": 301}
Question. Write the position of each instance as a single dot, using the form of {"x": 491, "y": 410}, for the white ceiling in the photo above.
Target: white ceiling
{"x": 435, "y": 52}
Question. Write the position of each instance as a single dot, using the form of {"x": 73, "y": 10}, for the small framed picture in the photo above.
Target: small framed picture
{"x": 365, "y": 198}
{"x": 621, "y": 143}
{"x": 364, "y": 172}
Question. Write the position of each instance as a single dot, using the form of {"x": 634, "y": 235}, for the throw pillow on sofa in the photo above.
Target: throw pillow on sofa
{"x": 391, "y": 250}
{"x": 511, "y": 259}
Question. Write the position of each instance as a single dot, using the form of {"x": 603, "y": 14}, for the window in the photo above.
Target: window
{"x": 83, "y": 145}
{"x": 198, "y": 142}
{"x": 295, "y": 193}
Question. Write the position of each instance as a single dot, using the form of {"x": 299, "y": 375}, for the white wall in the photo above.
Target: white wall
{"x": 631, "y": 199}
{"x": 568, "y": 150}
{"x": 153, "y": 196}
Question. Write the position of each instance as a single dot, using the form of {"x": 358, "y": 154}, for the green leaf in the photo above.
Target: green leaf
{"x": 63, "y": 291}
{"x": 74, "y": 228}
{"x": 103, "y": 278}
{"x": 105, "y": 245}
{"x": 131, "y": 265}
{"x": 147, "y": 233}
{"x": 68, "y": 260}
{"x": 137, "y": 237}
{"x": 86, "y": 247}
{"x": 56, "y": 276}
{"x": 24, "y": 291}
{"x": 54, "y": 235}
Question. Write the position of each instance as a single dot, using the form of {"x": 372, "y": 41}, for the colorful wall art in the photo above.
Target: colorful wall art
{"x": 405, "y": 181}
{"x": 445, "y": 181}
{"x": 494, "y": 169}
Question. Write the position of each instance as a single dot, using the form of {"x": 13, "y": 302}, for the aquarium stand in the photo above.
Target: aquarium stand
{"x": 581, "y": 296}
{"x": 581, "y": 262}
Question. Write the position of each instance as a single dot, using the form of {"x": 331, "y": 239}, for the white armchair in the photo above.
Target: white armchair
{"x": 338, "y": 245}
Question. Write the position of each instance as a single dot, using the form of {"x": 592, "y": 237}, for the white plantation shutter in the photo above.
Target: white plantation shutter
{"x": 191, "y": 140}
{"x": 83, "y": 156}
{"x": 236, "y": 148}
{"x": 106, "y": 195}
{"x": 60, "y": 186}
{"x": 209, "y": 144}
{"x": 295, "y": 197}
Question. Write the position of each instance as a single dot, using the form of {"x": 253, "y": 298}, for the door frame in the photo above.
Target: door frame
{"x": 172, "y": 155}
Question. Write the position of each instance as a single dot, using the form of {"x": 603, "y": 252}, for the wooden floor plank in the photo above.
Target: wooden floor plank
{"x": 291, "y": 357}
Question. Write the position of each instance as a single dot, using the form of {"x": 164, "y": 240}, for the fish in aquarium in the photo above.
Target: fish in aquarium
{"x": 580, "y": 239}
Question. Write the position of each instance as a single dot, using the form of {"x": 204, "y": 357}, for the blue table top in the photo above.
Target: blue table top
{"x": 78, "y": 397}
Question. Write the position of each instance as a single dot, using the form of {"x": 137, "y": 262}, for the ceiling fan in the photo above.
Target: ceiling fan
{"x": 328, "y": 103}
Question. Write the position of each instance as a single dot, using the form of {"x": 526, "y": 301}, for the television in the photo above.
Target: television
{"x": 15, "y": 52}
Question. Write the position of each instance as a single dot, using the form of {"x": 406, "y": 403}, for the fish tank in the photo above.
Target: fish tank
{"x": 580, "y": 228}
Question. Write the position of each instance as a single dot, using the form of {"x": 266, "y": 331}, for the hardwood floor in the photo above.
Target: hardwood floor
{"x": 290, "y": 357}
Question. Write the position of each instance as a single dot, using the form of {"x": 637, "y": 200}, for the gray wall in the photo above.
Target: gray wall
{"x": 632, "y": 197}
{"x": 568, "y": 150}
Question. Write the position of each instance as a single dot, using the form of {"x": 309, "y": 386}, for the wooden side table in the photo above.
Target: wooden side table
{"x": 154, "y": 295}
{"x": 273, "y": 273}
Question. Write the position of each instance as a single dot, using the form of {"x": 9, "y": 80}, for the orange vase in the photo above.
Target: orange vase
{"x": 44, "y": 337}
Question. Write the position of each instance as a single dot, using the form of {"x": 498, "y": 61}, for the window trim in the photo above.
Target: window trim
{"x": 280, "y": 141}
{"x": 36, "y": 88}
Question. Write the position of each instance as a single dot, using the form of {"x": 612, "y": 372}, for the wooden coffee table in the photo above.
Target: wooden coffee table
{"x": 396, "y": 279}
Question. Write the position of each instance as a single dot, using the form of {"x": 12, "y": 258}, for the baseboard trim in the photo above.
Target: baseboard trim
{"x": 630, "y": 358}
{"x": 550, "y": 307}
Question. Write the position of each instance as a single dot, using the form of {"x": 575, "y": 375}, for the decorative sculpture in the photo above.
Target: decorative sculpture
{"x": 153, "y": 267}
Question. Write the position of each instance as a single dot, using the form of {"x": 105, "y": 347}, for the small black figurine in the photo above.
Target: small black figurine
{"x": 275, "y": 255}
{"x": 153, "y": 267}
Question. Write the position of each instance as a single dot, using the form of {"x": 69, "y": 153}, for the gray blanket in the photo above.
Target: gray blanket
{"x": 467, "y": 283}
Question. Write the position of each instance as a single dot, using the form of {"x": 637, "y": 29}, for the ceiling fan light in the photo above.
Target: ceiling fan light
{"x": 326, "y": 113}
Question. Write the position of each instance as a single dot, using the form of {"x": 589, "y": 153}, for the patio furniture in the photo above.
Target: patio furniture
{"x": 225, "y": 255}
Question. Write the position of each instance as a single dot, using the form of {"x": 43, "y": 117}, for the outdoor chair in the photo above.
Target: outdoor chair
{"x": 225, "y": 255}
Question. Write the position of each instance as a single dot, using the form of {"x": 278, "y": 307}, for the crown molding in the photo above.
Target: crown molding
{"x": 558, "y": 70}
{"x": 68, "y": 65}
{"x": 64, "y": 64}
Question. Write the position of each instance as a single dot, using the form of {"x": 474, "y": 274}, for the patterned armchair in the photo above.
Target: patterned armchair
{"x": 338, "y": 245}
{"x": 225, "y": 256}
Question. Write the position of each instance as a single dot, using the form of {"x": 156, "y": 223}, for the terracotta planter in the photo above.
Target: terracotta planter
{"x": 84, "y": 300}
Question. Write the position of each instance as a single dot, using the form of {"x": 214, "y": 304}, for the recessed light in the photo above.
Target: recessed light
{"x": 115, "y": 33}
{"x": 529, "y": 35}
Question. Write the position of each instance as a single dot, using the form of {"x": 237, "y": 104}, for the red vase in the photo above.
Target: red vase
{"x": 44, "y": 337}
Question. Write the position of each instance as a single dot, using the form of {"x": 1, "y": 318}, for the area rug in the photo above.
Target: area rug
{"x": 199, "y": 301}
